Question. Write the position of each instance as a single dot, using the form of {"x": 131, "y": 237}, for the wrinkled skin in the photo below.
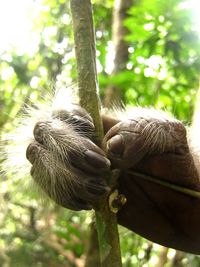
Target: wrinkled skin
{"x": 156, "y": 212}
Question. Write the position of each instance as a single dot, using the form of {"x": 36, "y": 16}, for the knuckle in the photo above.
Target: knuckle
{"x": 32, "y": 151}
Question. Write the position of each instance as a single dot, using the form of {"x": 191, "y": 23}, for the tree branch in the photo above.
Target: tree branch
{"x": 88, "y": 91}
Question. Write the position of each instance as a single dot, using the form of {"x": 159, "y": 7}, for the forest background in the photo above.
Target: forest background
{"x": 148, "y": 54}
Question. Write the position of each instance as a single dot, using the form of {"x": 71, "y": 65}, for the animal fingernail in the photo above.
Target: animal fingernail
{"x": 97, "y": 190}
{"x": 116, "y": 145}
{"x": 83, "y": 121}
{"x": 96, "y": 160}
{"x": 31, "y": 152}
{"x": 38, "y": 131}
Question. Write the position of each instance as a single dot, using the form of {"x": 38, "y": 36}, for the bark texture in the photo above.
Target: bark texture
{"x": 88, "y": 91}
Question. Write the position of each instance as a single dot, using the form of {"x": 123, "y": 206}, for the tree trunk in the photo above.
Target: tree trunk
{"x": 177, "y": 260}
{"x": 113, "y": 95}
{"x": 162, "y": 257}
{"x": 92, "y": 257}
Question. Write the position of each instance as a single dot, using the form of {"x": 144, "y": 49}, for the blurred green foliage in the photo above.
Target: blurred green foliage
{"x": 162, "y": 71}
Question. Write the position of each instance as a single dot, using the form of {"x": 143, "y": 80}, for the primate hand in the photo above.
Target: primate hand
{"x": 66, "y": 164}
{"x": 73, "y": 171}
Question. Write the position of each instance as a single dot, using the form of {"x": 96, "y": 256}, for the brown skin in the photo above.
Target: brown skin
{"x": 156, "y": 212}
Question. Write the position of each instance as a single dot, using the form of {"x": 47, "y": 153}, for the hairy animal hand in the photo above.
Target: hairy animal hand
{"x": 66, "y": 164}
